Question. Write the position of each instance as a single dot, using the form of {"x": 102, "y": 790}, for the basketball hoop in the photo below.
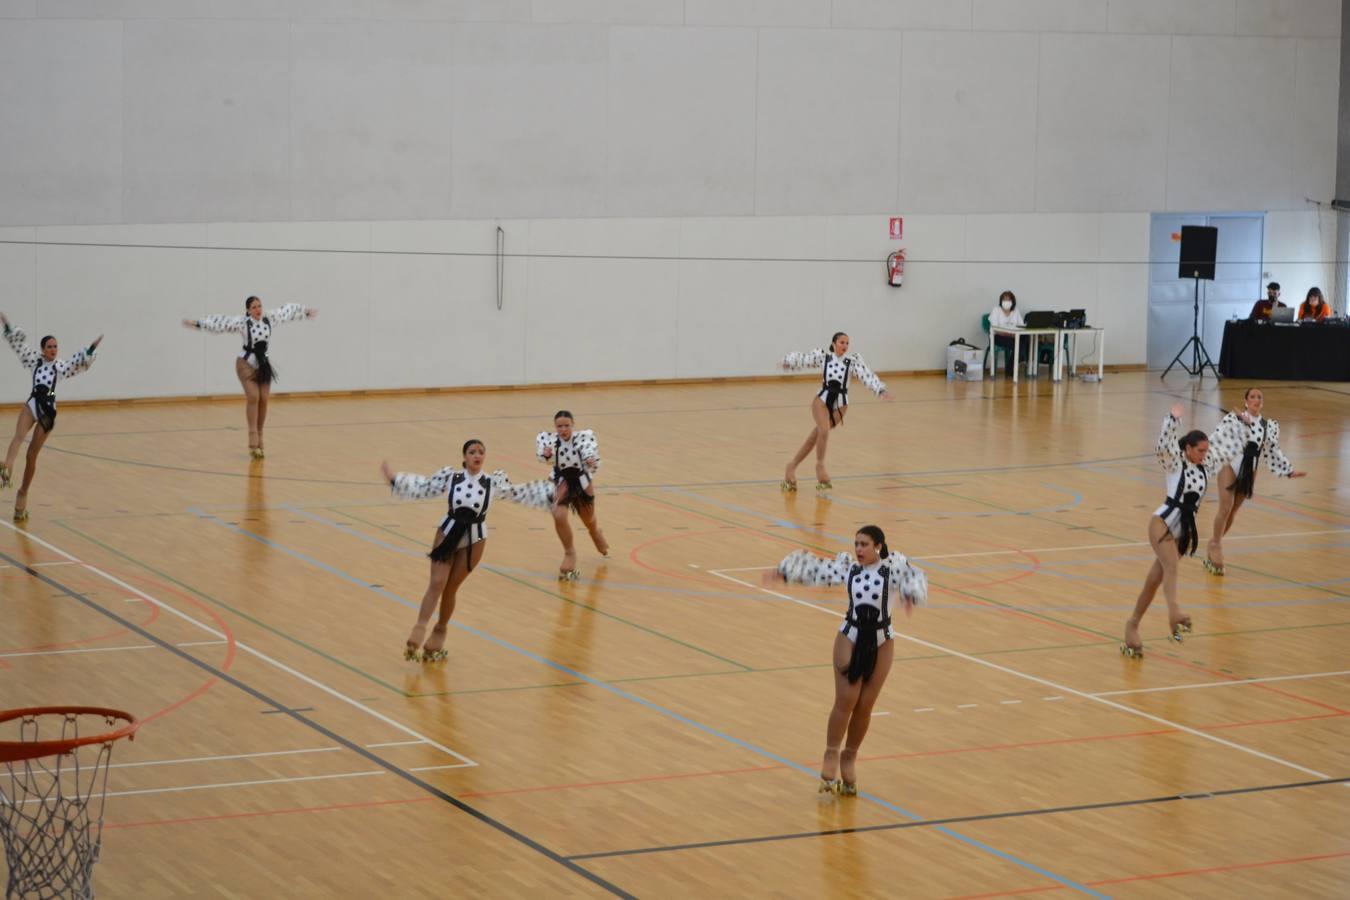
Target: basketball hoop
{"x": 52, "y": 792}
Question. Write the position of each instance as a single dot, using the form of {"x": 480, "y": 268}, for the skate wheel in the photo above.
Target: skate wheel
{"x": 788, "y": 487}
{"x": 828, "y": 787}
{"x": 1131, "y": 652}
{"x": 847, "y": 790}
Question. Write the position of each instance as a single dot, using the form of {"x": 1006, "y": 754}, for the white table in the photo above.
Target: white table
{"x": 1057, "y": 335}
{"x": 1072, "y": 334}
{"x": 1037, "y": 334}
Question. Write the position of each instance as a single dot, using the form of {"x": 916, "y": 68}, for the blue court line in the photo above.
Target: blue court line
{"x": 669, "y": 713}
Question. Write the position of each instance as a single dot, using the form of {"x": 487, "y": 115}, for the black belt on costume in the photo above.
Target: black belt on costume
{"x": 45, "y": 401}
{"x": 461, "y": 521}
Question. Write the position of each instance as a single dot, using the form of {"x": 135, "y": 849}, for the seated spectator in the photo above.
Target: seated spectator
{"x": 1314, "y": 307}
{"x": 1005, "y": 315}
{"x": 1262, "y": 310}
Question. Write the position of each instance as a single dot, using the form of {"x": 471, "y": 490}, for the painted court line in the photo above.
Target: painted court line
{"x": 105, "y": 649}
{"x": 664, "y": 711}
{"x": 332, "y": 692}
{"x": 430, "y": 789}
{"x": 1211, "y": 684}
{"x": 1047, "y": 683}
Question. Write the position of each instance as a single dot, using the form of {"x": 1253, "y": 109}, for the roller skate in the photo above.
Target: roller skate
{"x": 568, "y": 571}
{"x": 1133, "y": 647}
{"x": 788, "y": 487}
{"x": 847, "y": 789}
{"x": 1181, "y": 625}
{"x": 20, "y": 515}
{"x": 6, "y": 477}
{"x": 823, "y": 486}
{"x": 829, "y": 786}
{"x": 438, "y": 653}
{"x": 412, "y": 650}
{"x": 1212, "y": 567}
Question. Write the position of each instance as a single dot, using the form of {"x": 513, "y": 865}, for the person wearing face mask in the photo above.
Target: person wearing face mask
{"x": 39, "y": 412}
{"x": 1314, "y": 308}
{"x": 1263, "y": 308}
{"x": 1005, "y": 315}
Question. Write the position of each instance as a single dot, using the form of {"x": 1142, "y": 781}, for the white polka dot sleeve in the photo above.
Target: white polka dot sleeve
{"x": 908, "y": 580}
{"x": 74, "y": 365}
{"x": 868, "y": 378}
{"x": 804, "y": 567}
{"x": 29, "y": 356}
{"x": 1227, "y": 439}
{"x": 219, "y": 324}
{"x": 410, "y": 486}
{"x": 532, "y": 494}
{"x": 291, "y": 312}
{"x": 544, "y": 441}
{"x": 1279, "y": 463}
{"x": 808, "y": 359}
{"x": 1169, "y": 451}
{"x": 588, "y": 447}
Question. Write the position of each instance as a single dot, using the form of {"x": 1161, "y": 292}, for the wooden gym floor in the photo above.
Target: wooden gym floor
{"x": 653, "y": 730}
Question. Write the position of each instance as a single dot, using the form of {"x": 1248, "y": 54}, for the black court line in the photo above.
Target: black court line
{"x": 955, "y": 820}
{"x": 280, "y": 707}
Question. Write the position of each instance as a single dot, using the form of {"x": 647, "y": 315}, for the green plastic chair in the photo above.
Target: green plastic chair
{"x": 984, "y": 323}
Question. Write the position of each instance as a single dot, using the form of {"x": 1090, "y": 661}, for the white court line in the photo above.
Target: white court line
{"x": 338, "y": 695}
{"x": 105, "y": 649}
{"x": 1210, "y": 684}
{"x": 1059, "y": 687}
{"x": 1243, "y": 537}
{"x": 233, "y": 756}
{"x": 37, "y": 565}
{"x": 288, "y": 780}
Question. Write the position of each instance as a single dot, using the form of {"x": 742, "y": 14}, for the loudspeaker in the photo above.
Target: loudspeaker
{"x": 1199, "y": 246}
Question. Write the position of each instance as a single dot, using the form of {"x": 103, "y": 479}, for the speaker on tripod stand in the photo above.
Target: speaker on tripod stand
{"x": 1199, "y": 249}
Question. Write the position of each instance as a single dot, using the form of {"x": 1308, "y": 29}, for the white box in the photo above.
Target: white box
{"x": 965, "y": 363}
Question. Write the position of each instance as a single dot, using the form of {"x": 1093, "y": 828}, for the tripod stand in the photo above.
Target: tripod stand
{"x": 1199, "y": 355}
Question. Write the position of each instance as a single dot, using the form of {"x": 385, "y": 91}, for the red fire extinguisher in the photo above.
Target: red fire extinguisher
{"x": 895, "y": 268}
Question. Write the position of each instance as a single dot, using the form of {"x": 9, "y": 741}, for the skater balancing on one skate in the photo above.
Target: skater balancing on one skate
{"x": 1171, "y": 530}
{"x": 1241, "y": 439}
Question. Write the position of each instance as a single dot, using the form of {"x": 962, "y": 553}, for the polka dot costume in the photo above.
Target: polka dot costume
{"x": 1232, "y": 435}
{"x": 45, "y": 374}
{"x": 464, "y": 491}
{"x": 580, "y": 451}
{"x": 888, "y": 579}
{"x": 836, "y": 368}
{"x": 253, "y": 331}
{"x": 1183, "y": 478}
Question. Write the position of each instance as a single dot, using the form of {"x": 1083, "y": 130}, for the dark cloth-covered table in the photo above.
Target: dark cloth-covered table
{"x": 1285, "y": 352}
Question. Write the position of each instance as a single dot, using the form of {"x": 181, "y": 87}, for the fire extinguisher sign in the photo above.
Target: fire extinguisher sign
{"x": 897, "y": 228}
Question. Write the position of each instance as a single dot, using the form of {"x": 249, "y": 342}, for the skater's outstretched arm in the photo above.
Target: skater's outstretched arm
{"x": 805, "y": 359}
{"x": 805, "y": 567}
{"x": 868, "y": 378}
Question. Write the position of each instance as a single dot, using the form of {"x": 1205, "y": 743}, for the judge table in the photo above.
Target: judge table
{"x": 1285, "y": 352}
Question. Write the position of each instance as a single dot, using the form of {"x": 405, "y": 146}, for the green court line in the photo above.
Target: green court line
{"x": 1329, "y": 512}
{"x": 235, "y": 611}
{"x": 586, "y": 606}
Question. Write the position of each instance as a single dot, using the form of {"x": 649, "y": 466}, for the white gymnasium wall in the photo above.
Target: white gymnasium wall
{"x": 1025, "y": 142}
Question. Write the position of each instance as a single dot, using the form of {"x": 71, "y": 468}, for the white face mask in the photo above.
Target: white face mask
{"x": 1007, "y": 305}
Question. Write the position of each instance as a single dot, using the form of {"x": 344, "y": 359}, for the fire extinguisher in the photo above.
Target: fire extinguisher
{"x": 895, "y": 268}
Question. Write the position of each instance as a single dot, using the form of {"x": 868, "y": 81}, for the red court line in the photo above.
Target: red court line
{"x": 1157, "y": 875}
{"x": 267, "y": 812}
